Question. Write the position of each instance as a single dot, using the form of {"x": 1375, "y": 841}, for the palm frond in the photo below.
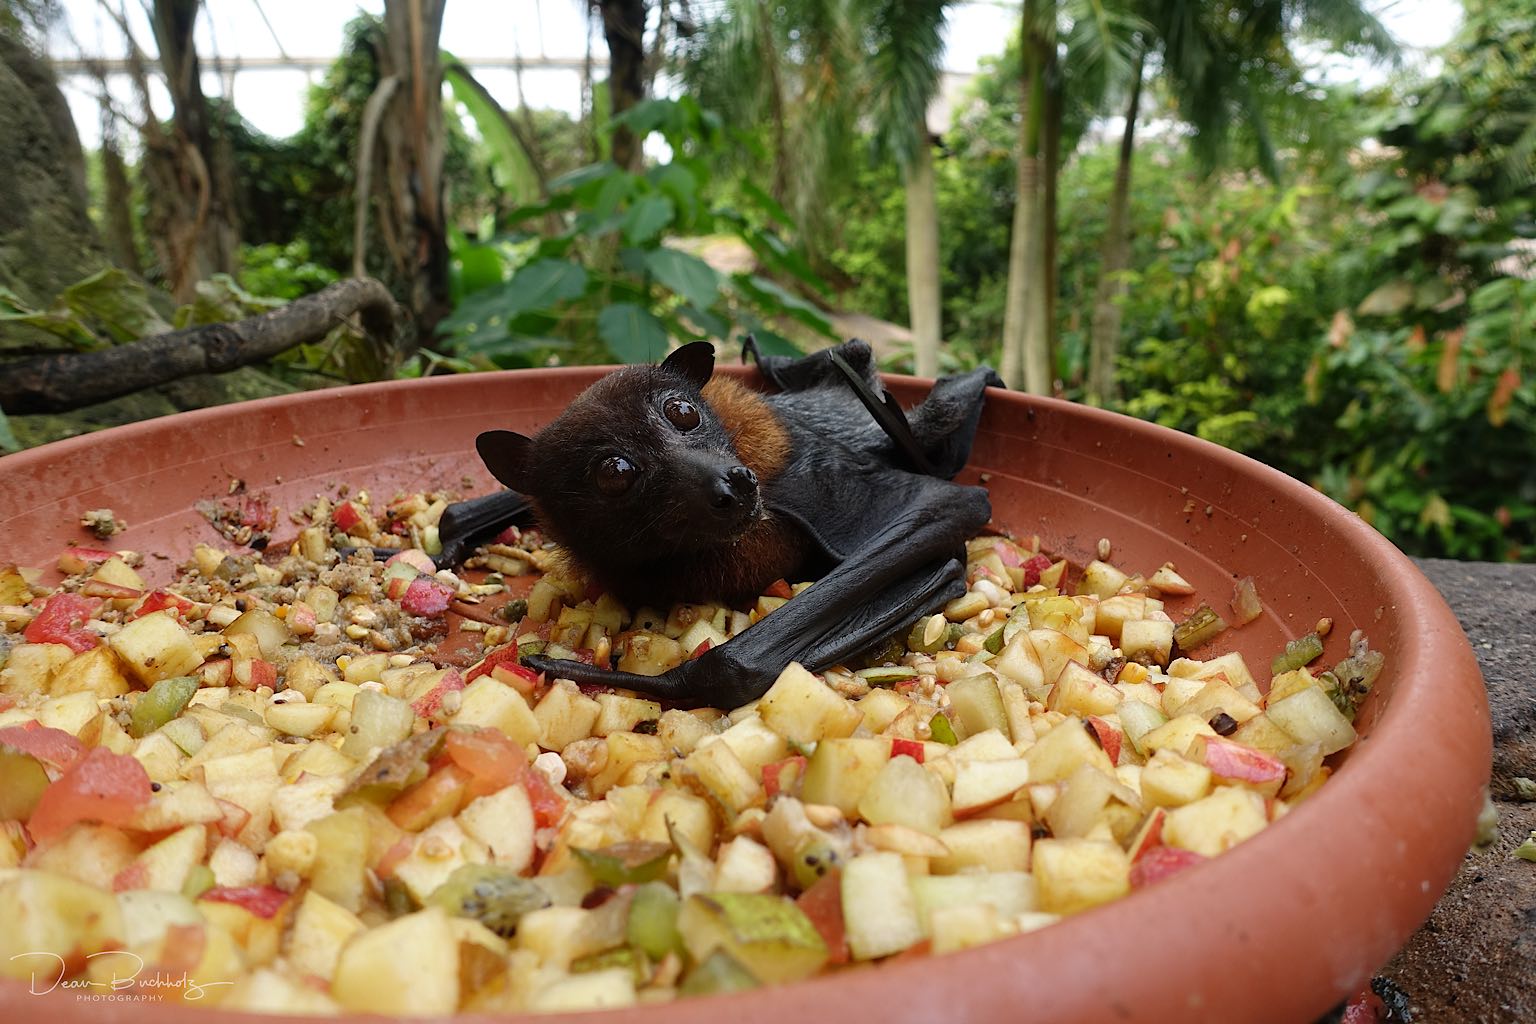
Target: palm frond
{"x": 906, "y": 43}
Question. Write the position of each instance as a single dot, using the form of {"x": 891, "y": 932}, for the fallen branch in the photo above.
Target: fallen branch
{"x": 63, "y": 382}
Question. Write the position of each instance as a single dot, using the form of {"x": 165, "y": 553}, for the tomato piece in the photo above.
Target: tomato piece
{"x": 261, "y": 900}
{"x": 54, "y": 746}
{"x": 427, "y": 597}
{"x": 492, "y": 760}
{"x": 548, "y": 804}
{"x": 62, "y": 621}
{"x": 822, "y": 903}
{"x": 438, "y": 796}
{"x": 101, "y": 786}
{"x": 779, "y": 588}
{"x": 912, "y": 748}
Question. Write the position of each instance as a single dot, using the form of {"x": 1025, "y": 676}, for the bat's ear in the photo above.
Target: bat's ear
{"x": 505, "y": 454}
{"x": 695, "y": 362}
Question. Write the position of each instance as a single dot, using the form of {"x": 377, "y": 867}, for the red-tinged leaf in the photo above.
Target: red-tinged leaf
{"x": 427, "y": 597}
{"x": 1161, "y": 861}
{"x": 78, "y": 559}
{"x": 1110, "y": 737}
{"x": 779, "y": 588}
{"x": 52, "y": 746}
{"x": 431, "y": 702}
{"x": 62, "y": 621}
{"x": 1034, "y": 565}
{"x": 822, "y": 903}
{"x": 261, "y": 900}
{"x": 774, "y": 780}
{"x": 101, "y": 786}
{"x": 1503, "y": 395}
{"x": 912, "y": 748}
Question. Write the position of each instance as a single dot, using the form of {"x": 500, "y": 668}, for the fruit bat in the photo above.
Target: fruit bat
{"x": 666, "y": 483}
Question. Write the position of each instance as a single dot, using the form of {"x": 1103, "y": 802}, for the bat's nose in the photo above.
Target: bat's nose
{"x": 733, "y": 489}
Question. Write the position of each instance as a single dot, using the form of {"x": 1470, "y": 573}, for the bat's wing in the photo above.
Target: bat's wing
{"x": 908, "y": 564}
{"x": 465, "y": 524}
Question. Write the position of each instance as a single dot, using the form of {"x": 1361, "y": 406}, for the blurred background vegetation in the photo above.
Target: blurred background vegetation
{"x": 1153, "y": 205}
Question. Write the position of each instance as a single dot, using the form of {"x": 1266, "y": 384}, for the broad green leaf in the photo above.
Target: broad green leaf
{"x": 8, "y": 441}
{"x": 646, "y": 217}
{"x": 581, "y": 176}
{"x": 479, "y": 267}
{"x": 687, "y": 275}
{"x": 118, "y": 302}
{"x": 706, "y": 321}
{"x": 510, "y": 162}
{"x": 631, "y": 333}
{"x": 771, "y": 343}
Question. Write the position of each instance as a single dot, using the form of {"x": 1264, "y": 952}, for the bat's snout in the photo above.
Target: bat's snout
{"x": 734, "y": 491}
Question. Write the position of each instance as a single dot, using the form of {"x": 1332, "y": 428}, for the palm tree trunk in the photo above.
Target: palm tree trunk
{"x": 1022, "y": 365}
{"x": 1104, "y": 337}
{"x": 624, "y": 29}
{"x": 1041, "y": 336}
{"x": 1026, "y": 356}
{"x": 924, "y": 297}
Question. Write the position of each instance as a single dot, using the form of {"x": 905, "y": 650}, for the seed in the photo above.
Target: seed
{"x": 1103, "y": 549}
{"x": 933, "y": 630}
{"x": 1324, "y": 626}
{"x": 1223, "y": 723}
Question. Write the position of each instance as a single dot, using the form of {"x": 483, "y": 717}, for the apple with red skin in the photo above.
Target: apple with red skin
{"x": 773, "y": 774}
{"x": 427, "y": 597}
{"x": 1111, "y": 737}
{"x": 431, "y": 702}
{"x": 235, "y": 818}
{"x": 111, "y": 591}
{"x": 1150, "y": 836}
{"x": 912, "y": 748}
{"x": 78, "y": 559}
{"x": 160, "y": 600}
{"x": 1239, "y": 763}
{"x": 347, "y": 517}
{"x": 1159, "y": 862}
{"x": 414, "y": 557}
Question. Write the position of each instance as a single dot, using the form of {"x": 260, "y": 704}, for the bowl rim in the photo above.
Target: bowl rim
{"x": 1436, "y": 680}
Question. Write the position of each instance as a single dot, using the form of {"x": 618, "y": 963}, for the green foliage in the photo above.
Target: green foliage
{"x": 604, "y": 284}
{"x": 282, "y": 271}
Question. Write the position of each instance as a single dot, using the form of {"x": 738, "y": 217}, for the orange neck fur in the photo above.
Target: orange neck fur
{"x": 760, "y": 441}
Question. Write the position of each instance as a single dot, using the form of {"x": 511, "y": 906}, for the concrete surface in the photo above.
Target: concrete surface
{"x": 1474, "y": 961}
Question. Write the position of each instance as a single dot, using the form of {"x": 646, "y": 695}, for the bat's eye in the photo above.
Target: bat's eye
{"x": 616, "y": 475}
{"x": 682, "y": 414}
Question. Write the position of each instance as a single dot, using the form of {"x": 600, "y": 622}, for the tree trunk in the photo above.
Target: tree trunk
{"x": 1023, "y": 366}
{"x": 407, "y": 165}
{"x": 1109, "y": 294}
{"x": 195, "y": 224}
{"x": 64, "y": 382}
{"x": 1050, "y": 176}
{"x": 117, "y": 198}
{"x": 924, "y": 294}
{"x": 47, "y": 239}
{"x": 624, "y": 29}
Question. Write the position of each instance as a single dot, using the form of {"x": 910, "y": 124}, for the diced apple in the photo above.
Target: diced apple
{"x": 406, "y": 966}
{"x": 1101, "y": 579}
{"x": 1075, "y": 874}
{"x": 1219, "y": 696}
{"x": 691, "y": 817}
{"x": 903, "y": 792}
{"x": 1261, "y": 733}
{"x": 155, "y": 647}
{"x": 1169, "y": 780}
{"x": 1310, "y": 717}
{"x": 48, "y": 916}
{"x": 166, "y": 865}
{"x": 880, "y": 707}
{"x": 1148, "y": 641}
{"x": 840, "y": 771}
{"x": 618, "y": 713}
{"x": 294, "y": 718}
{"x": 983, "y": 784}
{"x": 565, "y": 715}
{"x": 626, "y": 752}
{"x": 1234, "y": 763}
{"x": 879, "y": 910}
{"x": 96, "y": 671}
{"x": 802, "y": 708}
{"x": 1176, "y": 734}
{"x": 1054, "y": 650}
{"x": 1216, "y": 823}
{"x": 30, "y": 667}
{"x": 1019, "y": 663}
{"x": 724, "y": 777}
{"x": 1010, "y": 893}
{"x": 755, "y": 743}
{"x": 1060, "y": 752}
{"x": 986, "y": 844}
{"x": 1081, "y": 691}
{"x": 745, "y": 865}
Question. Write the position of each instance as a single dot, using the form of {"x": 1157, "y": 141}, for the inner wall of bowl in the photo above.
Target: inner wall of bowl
{"x": 1069, "y": 474}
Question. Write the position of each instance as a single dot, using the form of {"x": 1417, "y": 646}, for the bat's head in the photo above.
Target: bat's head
{"x": 637, "y": 468}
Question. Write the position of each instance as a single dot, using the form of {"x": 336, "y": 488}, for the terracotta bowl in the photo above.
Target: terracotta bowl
{"x": 1279, "y": 929}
